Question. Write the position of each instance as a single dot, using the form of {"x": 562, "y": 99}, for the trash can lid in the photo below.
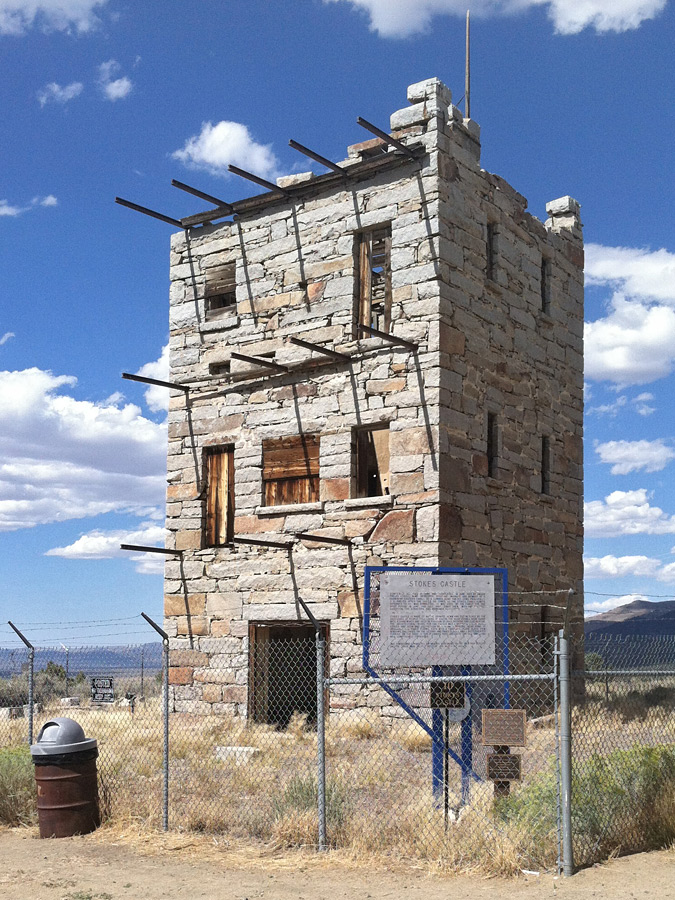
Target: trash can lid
{"x": 61, "y": 735}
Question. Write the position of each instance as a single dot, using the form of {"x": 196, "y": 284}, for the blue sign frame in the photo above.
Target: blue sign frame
{"x": 439, "y": 748}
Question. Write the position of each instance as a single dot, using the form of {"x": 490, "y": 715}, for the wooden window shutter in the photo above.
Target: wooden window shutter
{"x": 221, "y": 287}
{"x": 374, "y": 279}
{"x": 219, "y": 526}
{"x": 291, "y": 470}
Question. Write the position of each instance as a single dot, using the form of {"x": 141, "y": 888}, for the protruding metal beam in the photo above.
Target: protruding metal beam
{"x": 343, "y": 357}
{"x": 139, "y": 548}
{"x": 373, "y": 129}
{"x": 270, "y": 185}
{"x": 318, "y": 158}
{"x": 166, "y": 384}
{"x": 160, "y": 631}
{"x": 323, "y": 539}
{"x": 260, "y": 361}
{"x": 258, "y": 542}
{"x": 149, "y": 212}
{"x": 221, "y": 204}
{"x": 391, "y": 338}
{"x": 24, "y": 639}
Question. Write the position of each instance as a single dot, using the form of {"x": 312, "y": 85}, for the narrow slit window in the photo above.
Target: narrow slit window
{"x": 545, "y": 285}
{"x": 221, "y": 290}
{"x": 545, "y": 465}
{"x": 219, "y": 524}
{"x": 491, "y": 251}
{"x": 291, "y": 470}
{"x": 371, "y": 461}
{"x": 374, "y": 279}
{"x": 492, "y": 444}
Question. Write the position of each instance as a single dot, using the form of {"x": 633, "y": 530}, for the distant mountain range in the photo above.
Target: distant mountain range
{"x": 646, "y": 618}
{"x": 90, "y": 660}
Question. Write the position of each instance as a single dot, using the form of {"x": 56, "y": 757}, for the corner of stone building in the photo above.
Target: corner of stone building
{"x": 564, "y": 214}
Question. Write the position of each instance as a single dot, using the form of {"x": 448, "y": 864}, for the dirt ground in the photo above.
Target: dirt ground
{"x": 113, "y": 866}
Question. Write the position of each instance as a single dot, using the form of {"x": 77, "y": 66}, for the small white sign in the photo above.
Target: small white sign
{"x": 436, "y": 620}
{"x": 103, "y": 689}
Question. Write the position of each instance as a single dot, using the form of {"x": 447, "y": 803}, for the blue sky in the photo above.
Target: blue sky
{"x": 104, "y": 97}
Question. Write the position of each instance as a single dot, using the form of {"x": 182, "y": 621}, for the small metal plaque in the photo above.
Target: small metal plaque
{"x": 504, "y": 727}
{"x": 447, "y": 695}
{"x": 503, "y": 767}
{"x": 102, "y": 689}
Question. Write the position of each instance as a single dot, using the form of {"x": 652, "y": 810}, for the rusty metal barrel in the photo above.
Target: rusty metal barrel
{"x": 66, "y": 779}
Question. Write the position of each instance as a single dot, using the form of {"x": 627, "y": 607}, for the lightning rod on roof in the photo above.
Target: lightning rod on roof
{"x": 467, "y": 72}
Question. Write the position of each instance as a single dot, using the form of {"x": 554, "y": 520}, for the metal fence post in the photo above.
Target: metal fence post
{"x": 321, "y": 736}
{"x": 31, "y": 666}
{"x": 165, "y": 718}
{"x": 566, "y": 755}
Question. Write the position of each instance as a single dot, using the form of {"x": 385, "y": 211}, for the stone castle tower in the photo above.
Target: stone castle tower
{"x": 391, "y": 358}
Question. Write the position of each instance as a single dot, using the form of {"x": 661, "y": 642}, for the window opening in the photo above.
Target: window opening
{"x": 492, "y": 444}
{"x": 221, "y": 368}
{"x": 374, "y": 279}
{"x": 545, "y": 285}
{"x": 221, "y": 289}
{"x": 282, "y": 672}
{"x": 291, "y": 470}
{"x": 371, "y": 461}
{"x": 219, "y": 524}
{"x": 545, "y": 465}
{"x": 491, "y": 251}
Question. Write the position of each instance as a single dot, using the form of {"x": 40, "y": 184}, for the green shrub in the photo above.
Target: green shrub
{"x": 301, "y": 795}
{"x": 17, "y": 787}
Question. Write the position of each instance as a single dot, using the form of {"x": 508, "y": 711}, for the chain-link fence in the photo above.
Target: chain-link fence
{"x": 623, "y": 746}
{"x": 409, "y": 759}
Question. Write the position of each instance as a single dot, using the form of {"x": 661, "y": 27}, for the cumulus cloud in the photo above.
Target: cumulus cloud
{"x": 635, "y": 456}
{"x": 63, "y": 458}
{"x": 626, "y": 512}
{"x": 620, "y": 566}
{"x": 113, "y": 88}
{"x": 633, "y": 343}
{"x": 217, "y": 146}
{"x": 99, "y": 544}
{"x": 18, "y": 16}
{"x": 157, "y": 398}
{"x": 56, "y": 93}
{"x": 402, "y": 18}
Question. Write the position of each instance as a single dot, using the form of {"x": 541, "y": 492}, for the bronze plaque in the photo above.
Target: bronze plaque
{"x": 504, "y": 727}
{"x": 447, "y": 695}
{"x": 503, "y": 767}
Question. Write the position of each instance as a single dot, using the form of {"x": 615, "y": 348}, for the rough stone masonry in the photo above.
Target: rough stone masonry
{"x": 462, "y": 447}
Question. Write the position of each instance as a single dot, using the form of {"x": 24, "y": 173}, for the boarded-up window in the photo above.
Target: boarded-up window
{"x": 373, "y": 294}
{"x": 291, "y": 470}
{"x": 219, "y": 525}
{"x": 371, "y": 461}
{"x": 221, "y": 290}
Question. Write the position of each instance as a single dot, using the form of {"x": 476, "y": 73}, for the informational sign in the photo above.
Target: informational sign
{"x": 504, "y": 727}
{"x": 102, "y": 689}
{"x": 436, "y": 620}
{"x": 503, "y": 767}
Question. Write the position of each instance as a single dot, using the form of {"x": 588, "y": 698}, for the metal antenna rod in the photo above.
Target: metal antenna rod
{"x": 467, "y": 74}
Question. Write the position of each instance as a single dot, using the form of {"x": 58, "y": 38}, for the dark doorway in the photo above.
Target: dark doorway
{"x": 282, "y": 671}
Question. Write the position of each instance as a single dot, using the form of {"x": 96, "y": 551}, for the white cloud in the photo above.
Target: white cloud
{"x": 63, "y": 458}
{"x": 99, "y": 544}
{"x": 216, "y": 146}
{"x": 6, "y": 209}
{"x": 639, "y": 273}
{"x": 620, "y": 566}
{"x": 633, "y": 344}
{"x": 626, "y": 512}
{"x": 113, "y": 88}
{"x": 634, "y": 456}
{"x": 8, "y": 335}
{"x": 157, "y": 397}
{"x": 17, "y": 16}
{"x": 55, "y": 93}
{"x": 401, "y": 18}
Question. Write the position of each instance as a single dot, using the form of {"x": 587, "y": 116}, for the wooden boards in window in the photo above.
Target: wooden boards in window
{"x": 291, "y": 470}
{"x": 219, "y": 497}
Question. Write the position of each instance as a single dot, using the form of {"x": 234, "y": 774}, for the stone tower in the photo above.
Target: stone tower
{"x": 453, "y": 440}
